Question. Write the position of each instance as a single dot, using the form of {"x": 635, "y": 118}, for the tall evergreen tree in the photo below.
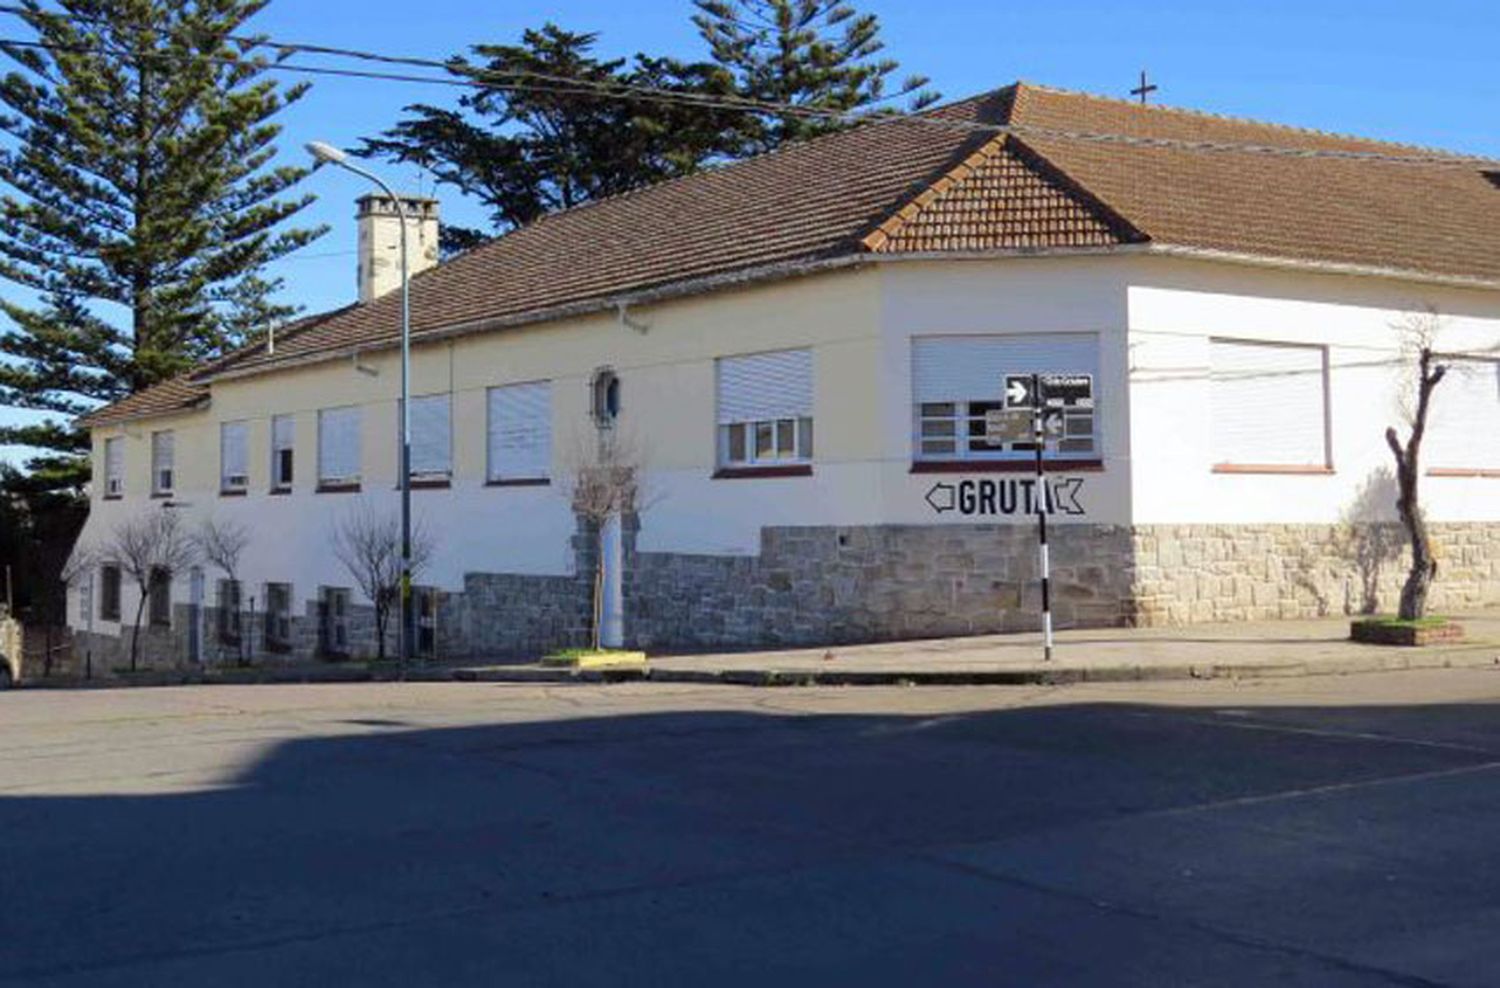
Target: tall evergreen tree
{"x": 812, "y": 54}
{"x": 562, "y": 127}
{"x": 138, "y": 204}
{"x": 559, "y": 128}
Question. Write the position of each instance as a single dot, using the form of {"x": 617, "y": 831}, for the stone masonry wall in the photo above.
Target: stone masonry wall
{"x": 830, "y": 585}
{"x": 1196, "y": 573}
{"x": 827, "y": 585}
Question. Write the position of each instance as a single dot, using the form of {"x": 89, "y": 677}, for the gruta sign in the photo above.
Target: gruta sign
{"x": 1007, "y": 496}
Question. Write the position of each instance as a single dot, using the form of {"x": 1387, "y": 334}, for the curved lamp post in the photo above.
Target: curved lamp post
{"x": 328, "y": 154}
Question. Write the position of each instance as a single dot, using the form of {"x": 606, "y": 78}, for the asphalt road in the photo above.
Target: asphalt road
{"x": 1322, "y": 831}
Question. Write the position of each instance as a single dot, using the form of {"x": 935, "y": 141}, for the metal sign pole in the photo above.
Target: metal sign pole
{"x": 1039, "y": 440}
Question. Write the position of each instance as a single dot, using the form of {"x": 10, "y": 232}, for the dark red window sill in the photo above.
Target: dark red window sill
{"x": 1007, "y": 466}
{"x": 520, "y": 482}
{"x": 238, "y": 492}
{"x": 752, "y": 473}
{"x": 337, "y": 489}
{"x": 1304, "y": 470}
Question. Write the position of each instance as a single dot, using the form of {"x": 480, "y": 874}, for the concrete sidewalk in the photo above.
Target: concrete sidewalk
{"x": 1208, "y": 651}
{"x": 1243, "y": 650}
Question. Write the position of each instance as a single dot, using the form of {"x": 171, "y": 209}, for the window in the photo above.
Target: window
{"x": 234, "y": 456}
{"x": 1268, "y": 405}
{"x": 114, "y": 467}
{"x": 431, "y": 438}
{"x": 604, "y": 397}
{"x": 333, "y": 621}
{"x": 229, "y": 611}
{"x": 957, "y": 385}
{"x": 109, "y": 593}
{"x": 520, "y": 433}
{"x": 162, "y": 444}
{"x": 159, "y": 600}
{"x": 765, "y": 409}
{"x": 338, "y": 447}
{"x": 279, "y": 616}
{"x": 283, "y": 438}
{"x": 1463, "y": 422}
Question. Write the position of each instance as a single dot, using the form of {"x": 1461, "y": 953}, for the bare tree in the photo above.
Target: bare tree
{"x": 150, "y": 546}
{"x": 222, "y": 543}
{"x": 603, "y": 483}
{"x": 368, "y": 542}
{"x": 1419, "y": 334}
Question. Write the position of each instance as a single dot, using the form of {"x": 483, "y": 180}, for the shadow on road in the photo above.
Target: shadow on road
{"x": 1089, "y": 844}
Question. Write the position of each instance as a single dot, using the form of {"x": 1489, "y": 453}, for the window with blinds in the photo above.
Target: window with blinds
{"x": 283, "y": 455}
{"x": 114, "y": 467}
{"x": 162, "y": 475}
{"x": 234, "y": 456}
{"x": 431, "y": 437}
{"x": 765, "y": 409}
{"x": 1463, "y": 421}
{"x": 957, "y": 385}
{"x": 519, "y": 432}
{"x": 1268, "y": 404}
{"x": 338, "y": 446}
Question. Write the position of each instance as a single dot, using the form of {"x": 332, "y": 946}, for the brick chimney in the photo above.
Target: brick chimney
{"x": 380, "y": 241}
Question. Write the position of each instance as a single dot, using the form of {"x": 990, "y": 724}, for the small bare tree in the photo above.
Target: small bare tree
{"x": 368, "y": 542}
{"x": 603, "y": 483}
{"x": 1419, "y": 334}
{"x": 147, "y": 546}
{"x": 222, "y": 544}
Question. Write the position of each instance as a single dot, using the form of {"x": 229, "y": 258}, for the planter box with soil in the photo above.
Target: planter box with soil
{"x": 1394, "y": 631}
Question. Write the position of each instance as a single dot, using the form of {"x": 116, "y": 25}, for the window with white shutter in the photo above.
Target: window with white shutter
{"x": 1463, "y": 421}
{"x": 234, "y": 456}
{"x": 958, "y": 381}
{"x": 765, "y": 414}
{"x": 162, "y": 474}
{"x": 338, "y": 446}
{"x": 283, "y": 455}
{"x": 431, "y": 438}
{"x": 520, "y": 432}
{"x": 114, "y": 467}
{"x": 1268, "y": 405}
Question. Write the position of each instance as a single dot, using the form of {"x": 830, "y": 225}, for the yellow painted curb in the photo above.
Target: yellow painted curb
{"x": 603, "y": 660}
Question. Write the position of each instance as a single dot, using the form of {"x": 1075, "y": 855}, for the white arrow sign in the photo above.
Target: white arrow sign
{"x": 1017, "y": 392}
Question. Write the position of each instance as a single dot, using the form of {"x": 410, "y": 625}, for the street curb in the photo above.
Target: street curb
{"x": 1471, "y": 657}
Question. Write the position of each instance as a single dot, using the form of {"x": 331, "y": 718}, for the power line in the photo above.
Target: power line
{"x": 538, "y": 82}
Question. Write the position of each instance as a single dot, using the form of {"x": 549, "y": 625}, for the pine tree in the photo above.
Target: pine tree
{"x": 138, "y": 205}
{"x": 559, "y": 128}
{"x": 812, "y": 54}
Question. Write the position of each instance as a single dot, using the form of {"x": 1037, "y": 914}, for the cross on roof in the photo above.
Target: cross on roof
{"x": 1144, "y": 89}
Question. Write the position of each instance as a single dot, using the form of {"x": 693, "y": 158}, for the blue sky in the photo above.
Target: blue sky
{"x": 1421, "y": 73}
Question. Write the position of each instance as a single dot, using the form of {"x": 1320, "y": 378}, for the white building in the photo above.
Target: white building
{"x": 804, "y": 350}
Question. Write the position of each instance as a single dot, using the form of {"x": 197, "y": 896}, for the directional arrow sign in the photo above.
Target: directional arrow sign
{"x": 1018, "y": 391}
{"x": 941, "y": 497}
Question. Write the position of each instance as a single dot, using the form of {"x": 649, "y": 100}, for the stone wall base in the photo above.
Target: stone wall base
{"x": 1195, "y": 573}
{"x": 837, "y": 585}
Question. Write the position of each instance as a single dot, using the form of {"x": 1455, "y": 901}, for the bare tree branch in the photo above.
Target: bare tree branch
{"x": 368, "y": 544}
{"x": 151, "y": 545}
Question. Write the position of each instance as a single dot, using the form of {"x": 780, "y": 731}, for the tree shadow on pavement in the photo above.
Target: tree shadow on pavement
{"x": 1085, "y": 844}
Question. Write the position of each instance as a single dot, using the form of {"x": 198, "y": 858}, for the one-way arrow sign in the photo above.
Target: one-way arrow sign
{"x": 941, "y": 497}
{"x": 1018, "y": 391}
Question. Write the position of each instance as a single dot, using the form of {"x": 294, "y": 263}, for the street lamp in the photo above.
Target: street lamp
{"x": 328, "y": 154}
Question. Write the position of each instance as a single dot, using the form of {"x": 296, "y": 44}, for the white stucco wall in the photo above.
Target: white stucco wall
{"x": 1176, "y": 306}
{"x": 1153, "y": 318}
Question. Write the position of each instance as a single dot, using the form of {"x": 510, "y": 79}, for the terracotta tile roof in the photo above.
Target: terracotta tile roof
{"x": 174, "y": 395}
{"x": 1439, "y": 219}
{"x": 186, "y": 390}
{"x": 1002, "y": 197}
{"x": 905, "y": 185}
